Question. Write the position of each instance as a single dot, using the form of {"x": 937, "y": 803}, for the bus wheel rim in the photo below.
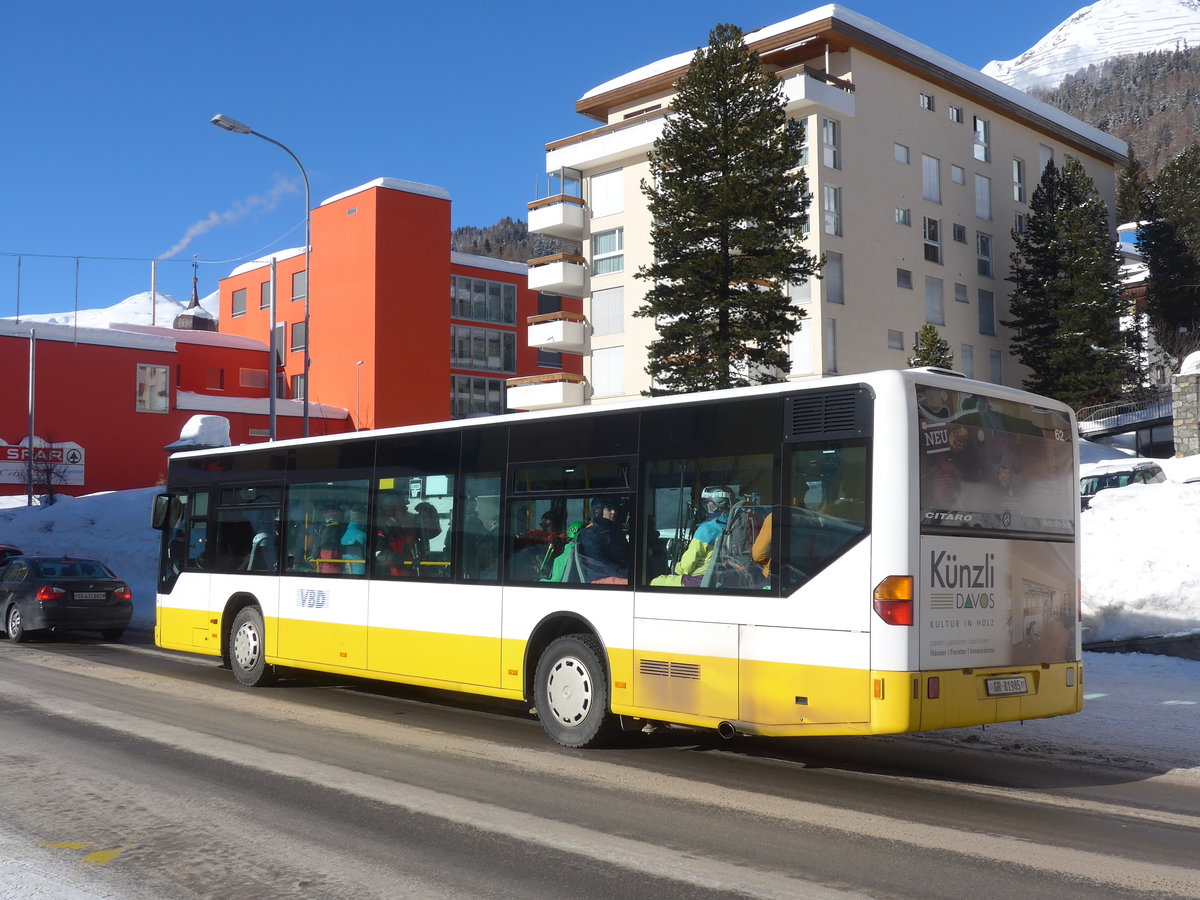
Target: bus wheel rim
{"x": 245, "y": 646}
{"x": 569, "y": 689}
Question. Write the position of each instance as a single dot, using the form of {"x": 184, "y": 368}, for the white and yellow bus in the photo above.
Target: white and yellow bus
{"x": 870, "y": 554}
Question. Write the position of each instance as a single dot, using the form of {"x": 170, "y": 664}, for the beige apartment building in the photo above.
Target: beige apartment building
{"x": 919, "y": 168}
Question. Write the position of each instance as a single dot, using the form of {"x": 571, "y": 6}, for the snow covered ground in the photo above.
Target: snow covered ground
{"x": 1141, "y": 578}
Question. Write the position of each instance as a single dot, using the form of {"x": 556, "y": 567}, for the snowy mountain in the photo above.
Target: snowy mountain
{"x": 1106, "y": 29}
{"x": 135, "y": 310}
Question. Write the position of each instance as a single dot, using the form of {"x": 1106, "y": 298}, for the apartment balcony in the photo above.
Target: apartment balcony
{"x": 562, "y": 274}
{"x": 560, "y": 216}
{"x": 546, "y": 391}
{"x": 565, "y": 332}
{"x": 805, "y": 87}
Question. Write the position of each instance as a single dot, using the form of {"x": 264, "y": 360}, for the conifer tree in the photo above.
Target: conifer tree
{"x": 931, "y": 349}
{"x": 728, "y": 203}
{"x": 1133, "y": 190}
{"x": 1169, "y": 239}
{"x": 1066, "y": 301}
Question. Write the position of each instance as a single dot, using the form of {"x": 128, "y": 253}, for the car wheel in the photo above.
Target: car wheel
{"x": 12, "y": 624}
{"x": 247, "y": 649}
{"x": 571, "y": 688}
{"x": 112, "y": 634}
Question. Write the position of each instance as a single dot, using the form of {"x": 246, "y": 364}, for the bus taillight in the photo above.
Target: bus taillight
{"x": 893, "y": 600}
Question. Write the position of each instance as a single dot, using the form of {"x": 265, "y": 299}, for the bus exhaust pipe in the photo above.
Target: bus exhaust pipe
{"x": 726, "y": 730}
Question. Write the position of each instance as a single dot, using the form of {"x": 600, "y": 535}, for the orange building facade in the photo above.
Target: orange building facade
{"x": 400, "y": 329}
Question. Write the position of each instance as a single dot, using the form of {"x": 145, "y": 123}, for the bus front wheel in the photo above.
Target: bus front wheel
{"x": 571, "y": 686}
{"x": 247, "y": 649}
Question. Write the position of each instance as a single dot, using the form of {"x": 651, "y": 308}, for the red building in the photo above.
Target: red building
{"x": 388, "y": 300}
{"x": 108, "y": 400}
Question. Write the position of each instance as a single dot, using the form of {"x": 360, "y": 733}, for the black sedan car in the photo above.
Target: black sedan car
{"x": 62, "y": 593}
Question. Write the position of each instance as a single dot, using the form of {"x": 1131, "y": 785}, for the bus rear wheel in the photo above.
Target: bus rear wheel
{"x": 247, "y": 649}
{"x": 571, "y": 689}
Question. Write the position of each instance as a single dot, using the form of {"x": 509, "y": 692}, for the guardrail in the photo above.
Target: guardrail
{"x": 1122, "y": 413}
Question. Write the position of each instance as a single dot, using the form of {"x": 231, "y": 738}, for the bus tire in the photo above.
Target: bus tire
{"x": 571, "y": 690}
{"x": 247, "y": 649}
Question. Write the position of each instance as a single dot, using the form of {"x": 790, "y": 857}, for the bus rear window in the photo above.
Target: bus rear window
{"x": 994, "y": 466}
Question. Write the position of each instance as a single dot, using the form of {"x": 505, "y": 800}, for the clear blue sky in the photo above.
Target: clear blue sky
{"x": 107, "y": 150}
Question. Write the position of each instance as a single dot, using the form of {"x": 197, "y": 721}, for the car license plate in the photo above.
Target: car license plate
{"x": 90, "y": 595}
{"x": 1004, "y": 687}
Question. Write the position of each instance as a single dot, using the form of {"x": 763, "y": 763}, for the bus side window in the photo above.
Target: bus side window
{"x": 828, "y": 512}
{"x": 480, "y": 525}
{"x": 326, "y": 528}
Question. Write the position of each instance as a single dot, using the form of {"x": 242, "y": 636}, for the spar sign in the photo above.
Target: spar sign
{"x": 60, "y": 463}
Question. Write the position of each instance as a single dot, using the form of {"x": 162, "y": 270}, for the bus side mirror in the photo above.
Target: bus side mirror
{"x": 160, "y": 512}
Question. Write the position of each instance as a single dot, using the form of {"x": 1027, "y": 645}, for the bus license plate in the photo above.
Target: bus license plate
{"x": 89, "y": 595}
{"x": 1004, "y": 687}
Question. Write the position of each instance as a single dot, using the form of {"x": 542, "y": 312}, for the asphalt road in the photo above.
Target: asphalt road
{"x": 130, "y": 772}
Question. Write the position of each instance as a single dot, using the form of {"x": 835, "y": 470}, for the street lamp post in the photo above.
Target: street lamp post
{"x": 358, "y": 395}
{"x": 233, "y": 125}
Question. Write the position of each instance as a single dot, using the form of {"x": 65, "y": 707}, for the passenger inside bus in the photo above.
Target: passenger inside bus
{"x": 604, "y": 544}
{"x": 396, "y": 539}
{"x": 567, "y": 566}
{"x": 690, "y": 569}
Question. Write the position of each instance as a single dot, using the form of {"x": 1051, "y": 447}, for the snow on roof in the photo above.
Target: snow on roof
{"x": 487, "y": 262}
{"x": 977, "y": 79}
{"x": 104, "y": 337}
{"x": 210, "y": 338}
{"x": 394, "y": 184}
{"x": 256, "y": 405}
{"x": 266, "y": 260}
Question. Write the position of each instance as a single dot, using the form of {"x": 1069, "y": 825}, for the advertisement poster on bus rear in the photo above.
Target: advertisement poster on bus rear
{"x": 986, "y": 602}
{"x": 999, "y": 507}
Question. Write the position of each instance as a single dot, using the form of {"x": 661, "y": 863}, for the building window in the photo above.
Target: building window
{"x": 483, "y": 349}
{"x": 239, "y": 302}
{"x": 833, "y": 278}
{"x": 831, "y": 363}
{"x": 959, "y": 232}
{"x": 801, "y": 291}
{"x": 804, "y": 130}
{"x": 252, "y": 378}
{"x": 958, "y": 174}
{"x": 1045, "y": 157}
{"x": 299, "y": 387}
{"x": 931, "y": 179}
{"x": 608, "y": 193}
{"x": 895, "y": 339}
{"x": 983, "y": 151}
{"x": 264, "y": 295}
{"x": 153, "y": 389}
{"x": 299, "y": 336}
{"x": 983, "y": 197}
{"x": 608, "y": 311}
{"x": 1019, "y": 180}
{"x": 300, "y": 285}
{"x": 903, "y": 216}
{"x": 471, "y": 395}
{"x": 833, "y": 210}
{"x": 933, "y": 240}
{"x": 831, "y": 146}
{"x": 966, "y": 360}
{"x": 900, "y": 153}
{"x": 1020, "y": 223}
{"x": 933, "y": 301}
{"x": 997, "y": 373}
{"x": 987, "y": 312}
{"x": 483, "y": 300}
{"x": 956, "y": 114}
{"x": 960, "y": 293}
{"x": 983, "y": 253}
{"x": 608, "y": 372}
{"x": 214, "y": 379}
{"x": 904, "y": 279}
{"x": 608, "y": 251}
{"x": 926, "y": 101}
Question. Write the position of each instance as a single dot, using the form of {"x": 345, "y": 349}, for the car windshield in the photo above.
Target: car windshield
{"x": 71, "y": 568}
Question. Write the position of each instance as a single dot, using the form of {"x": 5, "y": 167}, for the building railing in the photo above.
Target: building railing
{"x": 1154, "y": 404}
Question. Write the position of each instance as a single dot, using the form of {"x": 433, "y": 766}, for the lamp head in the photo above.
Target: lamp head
{"x": 229, "y": 124}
